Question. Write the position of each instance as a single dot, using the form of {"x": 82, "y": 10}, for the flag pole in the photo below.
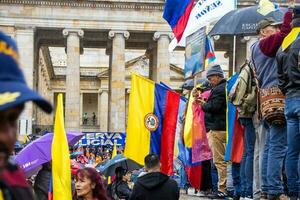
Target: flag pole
{"x": 234, "y": 55}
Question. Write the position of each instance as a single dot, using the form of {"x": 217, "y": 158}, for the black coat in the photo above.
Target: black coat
{"x": 41, "y": 184}
{"x": 288, "y": 70}
{"x": 154, "y": 186}
{"x": 215, "y": 108}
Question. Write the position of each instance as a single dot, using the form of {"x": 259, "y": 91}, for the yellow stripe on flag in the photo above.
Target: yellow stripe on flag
{"x": 188, "y": 124}
{"x": 61, "y": 170}
{"x": 141, "y": 102}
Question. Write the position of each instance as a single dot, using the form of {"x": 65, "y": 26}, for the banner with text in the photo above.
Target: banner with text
{"x": 203, "y": 13}
{"x": 102, "y": 139}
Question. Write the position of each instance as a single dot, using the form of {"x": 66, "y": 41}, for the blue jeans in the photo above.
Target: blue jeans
{"x": 247, "y": 161}
{"x": 273, "y": 158}
{"x": 292, "y": 113}
{"x": 235, "y": 171}
{"x": 258, "y": 158}
{"x": 214, "y": 177}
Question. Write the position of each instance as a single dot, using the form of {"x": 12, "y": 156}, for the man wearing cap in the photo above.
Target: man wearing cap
{"x": 14, "y": 93}
{"x": 215, "y": 123}
{"x": 263, "y": 57}
{"x": 289, "y": 83}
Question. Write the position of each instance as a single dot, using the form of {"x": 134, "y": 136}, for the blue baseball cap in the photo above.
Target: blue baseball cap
{"x": 13, "y": 88}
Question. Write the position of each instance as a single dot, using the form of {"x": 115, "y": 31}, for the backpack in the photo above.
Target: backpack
{"x": 244, "y": 92}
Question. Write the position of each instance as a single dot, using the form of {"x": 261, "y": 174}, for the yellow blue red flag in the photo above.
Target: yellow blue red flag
{"x": 152, "y": 119}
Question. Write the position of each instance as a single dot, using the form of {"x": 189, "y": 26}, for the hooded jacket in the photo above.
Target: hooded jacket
{"x": 154, "y": 186}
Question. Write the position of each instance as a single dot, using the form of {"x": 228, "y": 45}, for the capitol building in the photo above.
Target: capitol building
{"x": 87, "y": 49}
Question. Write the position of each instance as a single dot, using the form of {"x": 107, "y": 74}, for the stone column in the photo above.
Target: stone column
{"x": 117, "y": 81}
{"x": 72, "y": 109}
{"x": 103, "y": 110}
{"x": 161, "y": 60}
{"x": 25, "y": 40}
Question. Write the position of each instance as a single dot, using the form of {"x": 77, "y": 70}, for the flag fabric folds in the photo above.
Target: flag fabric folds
{"x": 209, "y": 52}
{"x": 61, "y": 170}
{"x": 152, "y": 120}
{"x": 234, "y": 129}
{"x": 177, "y": 13}
{"x": 203, "y": 13}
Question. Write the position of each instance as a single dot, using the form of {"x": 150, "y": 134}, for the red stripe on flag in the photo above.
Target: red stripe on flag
{"x": 168, "y": 132}
{"x": 237, "y": 141}
{"x": 194, "y": 175}
{"x": 182, "y": 22}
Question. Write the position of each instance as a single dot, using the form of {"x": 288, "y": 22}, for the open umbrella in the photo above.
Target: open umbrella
{"x": 119, "y": 160}
{"x": 243, "y": 21}
{"x": 38, "y": 152}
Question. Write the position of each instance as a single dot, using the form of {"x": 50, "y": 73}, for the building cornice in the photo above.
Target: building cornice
{"x": 144, "y": 5}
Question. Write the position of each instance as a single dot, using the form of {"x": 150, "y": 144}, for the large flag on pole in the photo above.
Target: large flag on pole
{"x": 61, "y": 170}
{"x": 152, "y": 119}
{"x": 203, "y": 13}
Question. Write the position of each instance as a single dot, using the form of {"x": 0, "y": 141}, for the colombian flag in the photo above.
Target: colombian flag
{"x": 177, "y": 13}
{"x": 152, "y": 120}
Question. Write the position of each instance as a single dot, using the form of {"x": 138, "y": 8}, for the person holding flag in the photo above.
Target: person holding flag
{"x": 14, "y": 93}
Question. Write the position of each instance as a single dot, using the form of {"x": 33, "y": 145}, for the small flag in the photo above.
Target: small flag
{"x": 114, "y": 153}
{"x": 209, "y": 52}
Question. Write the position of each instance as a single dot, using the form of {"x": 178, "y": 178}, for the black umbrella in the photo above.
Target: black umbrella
{"x": 243, "y": 21}
{"x": 108, "y": 169}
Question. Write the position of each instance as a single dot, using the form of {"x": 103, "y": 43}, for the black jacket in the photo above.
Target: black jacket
{"x": 41, "y": 184}
{"x": 289, "y": 70}
{"x": 154, "y": 186}
{"x": 215, "y": 108}
{"x": 122, "y": 189}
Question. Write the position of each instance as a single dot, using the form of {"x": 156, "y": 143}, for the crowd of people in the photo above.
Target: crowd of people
{"x": 266, "y": 94}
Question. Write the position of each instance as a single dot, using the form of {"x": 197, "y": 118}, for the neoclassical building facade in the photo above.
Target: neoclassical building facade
{"x": 86, "y": 49}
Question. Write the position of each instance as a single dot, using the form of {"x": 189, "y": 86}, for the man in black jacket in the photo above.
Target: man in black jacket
{"x": 215, "y": 122}
{"x": 154, "y": 184}
{"x": 289, "y": 83}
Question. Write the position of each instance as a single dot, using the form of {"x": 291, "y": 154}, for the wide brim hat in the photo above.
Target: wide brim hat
{"x": 267, "y": 22}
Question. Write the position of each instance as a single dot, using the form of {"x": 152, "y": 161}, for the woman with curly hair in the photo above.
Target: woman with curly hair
{"x": 89, "y": 185}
